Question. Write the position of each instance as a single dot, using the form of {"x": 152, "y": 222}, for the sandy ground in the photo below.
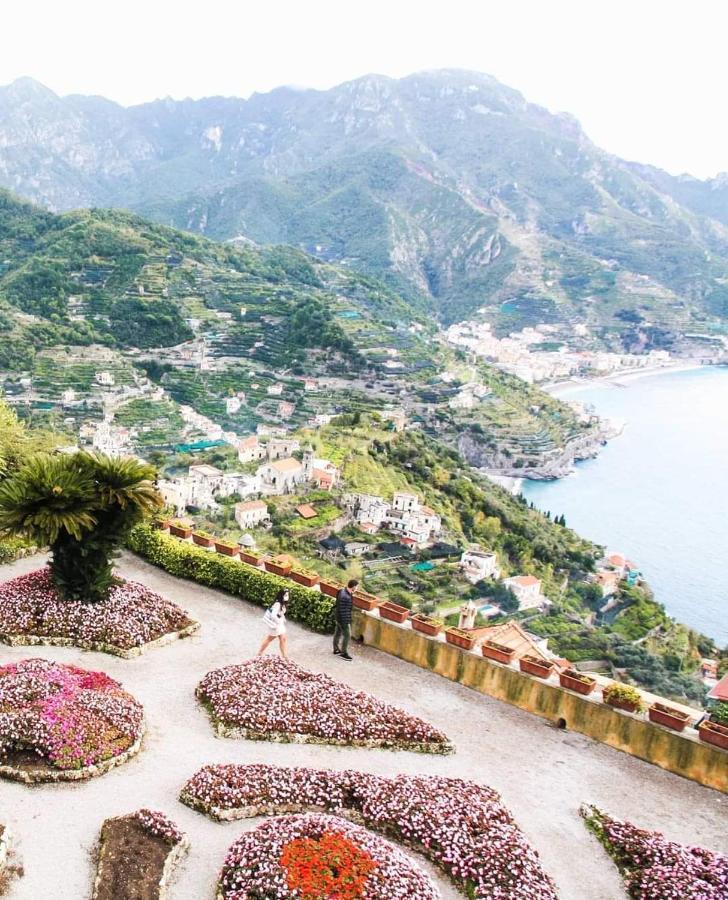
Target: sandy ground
{"x": 542, "y": 773}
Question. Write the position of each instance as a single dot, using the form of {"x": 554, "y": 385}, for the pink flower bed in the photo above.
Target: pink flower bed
{"x": 254, "y": 866}
{"x": 69, "y": 717}
{"x": 159, "y": 825}
{"x": 131, "y": 617}
{"x": 276, "y": 699}
{"x": 657, "y": 869}
{"x": 462, "y": 827}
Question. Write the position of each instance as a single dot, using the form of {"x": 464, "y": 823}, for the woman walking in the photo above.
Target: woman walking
{"x": 275, "y": 620}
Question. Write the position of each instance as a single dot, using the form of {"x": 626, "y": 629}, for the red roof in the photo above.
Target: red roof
{"x": 720, "y": 691}
{"x": 306, "y": 511}
{"x": 410, "y": 542}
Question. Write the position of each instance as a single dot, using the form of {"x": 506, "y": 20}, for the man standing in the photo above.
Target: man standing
{"x": 342, "y": 613}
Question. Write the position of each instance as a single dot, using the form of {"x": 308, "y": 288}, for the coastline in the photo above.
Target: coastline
{"x": 615, "y": 378}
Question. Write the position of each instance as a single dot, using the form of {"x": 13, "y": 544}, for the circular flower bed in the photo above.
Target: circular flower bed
{"x": 657, "y": 869}
{"x": 274, "y": 699}
{"x": 310, "y": 857}
{"x": 60, "y": 723}
{"x": 460, "y": 826}
{"x": 31, "y": 612}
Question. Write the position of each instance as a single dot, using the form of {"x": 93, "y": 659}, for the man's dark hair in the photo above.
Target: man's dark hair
{"x": 352, "y": 583}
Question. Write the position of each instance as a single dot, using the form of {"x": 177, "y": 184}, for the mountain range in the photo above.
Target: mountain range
{"x": 448, "y": 185}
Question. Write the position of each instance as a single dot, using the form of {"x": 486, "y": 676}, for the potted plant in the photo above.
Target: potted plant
{"x": 535, "y": 665}
{"x": 330, "y": 588}
{"x": 394, "y": 612}
{"x": 202, "y": 539}
{"x": 251, "y": 557}
{"x": 225, "y": 548}
{"x": 499, "y": 652}
{"x": 364, "y": 600}
{"x": 577, "y": 681}
{"x": 668, "y": 716}
{"x": 623, "y": 696}
{"x": 458, "y": 637}
{"x": 304, "y": 577}
{"x": 279, "y": 565}
{"x": 160, "y": 523}
{"x": 427, "y": 624}
{"x": 180, "y": 530}
{"x": 714, "y": 733}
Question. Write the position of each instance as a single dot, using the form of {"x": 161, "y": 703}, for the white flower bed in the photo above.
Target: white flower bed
{"x": 71, "y": 719}
{"x": 275, "y": 699}
{"x": 133, "y": 616}
{"x": 462, "y": 827}
{"x": 255, "y": 865}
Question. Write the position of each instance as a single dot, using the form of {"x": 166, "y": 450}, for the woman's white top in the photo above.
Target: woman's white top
{"x": 275, "y": 619}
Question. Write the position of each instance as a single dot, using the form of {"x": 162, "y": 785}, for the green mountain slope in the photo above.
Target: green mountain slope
{"x": 449, "y": 185}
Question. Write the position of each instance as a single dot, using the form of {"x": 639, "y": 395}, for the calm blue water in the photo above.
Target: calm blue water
{"x": 659, "y": 492}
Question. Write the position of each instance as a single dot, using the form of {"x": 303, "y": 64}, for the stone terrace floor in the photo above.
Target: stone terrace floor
{"x": 542, "y": 773}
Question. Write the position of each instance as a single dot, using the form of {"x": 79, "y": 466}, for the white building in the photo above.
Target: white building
{"x": 527, "y": 589}
{"x": 204, "y": 485}
{"x": 281, "y": 448}
{"x": 478, "y": 564}
{"x": 405, "y": 516}
{"x": 281, "y": 476}
{"x": 251, "y": 513}
{"x": 238, "y": 483}
{"x": 406, "y": 502}
{"x": 104, "y": 378}
{"x": 113, "y": 440}
{"x": 251, "y": 450}
{"x": 232, "y": 405}
{"x": 274, "y": 390}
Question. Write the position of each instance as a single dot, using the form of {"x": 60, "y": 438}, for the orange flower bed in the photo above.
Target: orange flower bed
{"x": 331, "y": 866}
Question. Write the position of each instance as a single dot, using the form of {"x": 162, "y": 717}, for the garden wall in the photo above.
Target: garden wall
{"x": 681, "y": 753}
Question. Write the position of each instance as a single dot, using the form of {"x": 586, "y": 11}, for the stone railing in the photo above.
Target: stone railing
{"x": 683, "y": 753}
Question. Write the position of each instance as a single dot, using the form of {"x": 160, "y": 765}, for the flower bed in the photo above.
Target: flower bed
{"x": 137, "y": 854}
{"x": 31, "y": 612}
{"x": 311, "y": 608}
{"x": 274, "y": 699}
{"x": 62, "y": 723}
{"x": 315, "y": 856}
{"x": 623, "y": 696}
{"x": 657, "y": 869}
{"x": 459, "y": 825}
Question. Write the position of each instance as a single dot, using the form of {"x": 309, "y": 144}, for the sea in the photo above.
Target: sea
{"x": 659, "y": 491}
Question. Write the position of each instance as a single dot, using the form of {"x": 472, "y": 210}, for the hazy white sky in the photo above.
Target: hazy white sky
{"x": 647, "y": 78}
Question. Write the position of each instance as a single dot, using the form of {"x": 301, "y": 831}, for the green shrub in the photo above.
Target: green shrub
{"x": 12, "y": 548}
{"x": 310, "y": 608}
{"x": 719, "y": 713}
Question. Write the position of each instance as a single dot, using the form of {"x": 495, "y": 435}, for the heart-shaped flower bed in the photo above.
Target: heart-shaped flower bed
{"x": 657, "y": 869}
{"x": 31, "y": 612}
{"x": 460, "y": 826}
{"x": 309, "y": 857}
{"x": 60, "y": 722}
{"x": 275, "y": 699}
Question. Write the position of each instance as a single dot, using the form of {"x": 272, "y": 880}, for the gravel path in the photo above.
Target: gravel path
{"x": 542, "y": 773}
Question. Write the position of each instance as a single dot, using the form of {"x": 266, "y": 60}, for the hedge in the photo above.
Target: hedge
{"x": 310, "y": 608}
{"x": 12, "y": 548}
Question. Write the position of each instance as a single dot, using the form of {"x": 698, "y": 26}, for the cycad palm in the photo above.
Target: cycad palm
{"x": 81, "y": 505}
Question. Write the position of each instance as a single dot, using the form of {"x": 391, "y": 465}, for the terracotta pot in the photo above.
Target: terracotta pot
{"x": 426, "y": 624}
{"x": 226, "y": 549}
{"x": 713, "y": 733}
{"x": 539, "y": 668}
{"x": 201, "y": 540}
{"x": 276, "y": 568}
{"x": 330, "y": 588}
{"x": 252, "y": 559}
{"x": 180, "y": 531}
{"x": 363, "y": 600}
{"x": 502, "y": 654}
{"x": 394, "y": 612}
{"x": 667, "y": 716}
{"x": 582, "y": 684}
{"x": 161, "y": 524}
{"x": 621, "y": 704}
{"x": 455, "y": 637}
{"x": 307, "y": 579}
